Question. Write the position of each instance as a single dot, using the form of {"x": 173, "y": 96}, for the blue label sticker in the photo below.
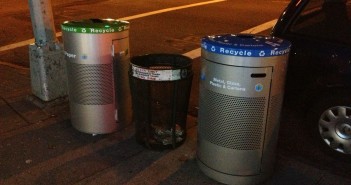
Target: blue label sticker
{"x": 258, "y": 87}
{"x": 202, "y": 76}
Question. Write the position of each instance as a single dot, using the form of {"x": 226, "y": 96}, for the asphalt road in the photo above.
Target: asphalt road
{"x": 175, "y": 31}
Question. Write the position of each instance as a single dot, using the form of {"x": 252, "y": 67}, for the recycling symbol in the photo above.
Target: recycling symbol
{"x": 213, "y": 48}
{"x": 262, "y": 53}
{"x": 204, "y": 45}
{"x": 258, "y": 87}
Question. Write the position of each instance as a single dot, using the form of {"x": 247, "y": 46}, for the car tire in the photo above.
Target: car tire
{"x": 329, "y": 122}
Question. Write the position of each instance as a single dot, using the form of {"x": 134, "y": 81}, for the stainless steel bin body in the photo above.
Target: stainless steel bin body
{"x": 241, "y": 93}
{"x": 94, "y": 50}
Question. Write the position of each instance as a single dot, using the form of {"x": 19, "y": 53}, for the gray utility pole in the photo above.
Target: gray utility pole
{"x": 47, "y": 64}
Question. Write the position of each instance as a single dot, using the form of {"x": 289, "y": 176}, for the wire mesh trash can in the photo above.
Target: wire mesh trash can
{"x": 160, "y": 87}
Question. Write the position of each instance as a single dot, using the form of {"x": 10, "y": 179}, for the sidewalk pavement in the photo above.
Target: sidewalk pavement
{"x": 38, "y": 145}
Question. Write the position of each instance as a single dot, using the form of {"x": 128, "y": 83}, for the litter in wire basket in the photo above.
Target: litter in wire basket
{"x": 160, "y": 87}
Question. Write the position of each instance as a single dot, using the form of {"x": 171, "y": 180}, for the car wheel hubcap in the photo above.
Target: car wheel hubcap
{"x": 335, "y": 128}
{"x": 344, "y": 130}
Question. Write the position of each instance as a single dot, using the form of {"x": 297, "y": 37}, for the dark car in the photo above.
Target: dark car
{"x": 319, "y": 69}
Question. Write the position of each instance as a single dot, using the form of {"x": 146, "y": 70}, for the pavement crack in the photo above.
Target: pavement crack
{"x": 13, "y": 109}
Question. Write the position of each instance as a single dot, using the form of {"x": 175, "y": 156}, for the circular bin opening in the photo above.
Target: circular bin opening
{"x": 161, "y": 67}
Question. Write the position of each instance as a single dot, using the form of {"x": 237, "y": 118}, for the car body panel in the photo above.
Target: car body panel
{"x": 317, "y": 60}
{"x": 318, "y": 82}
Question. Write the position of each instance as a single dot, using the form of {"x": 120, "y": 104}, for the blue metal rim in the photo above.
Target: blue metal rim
{"x": 246, "y": 45}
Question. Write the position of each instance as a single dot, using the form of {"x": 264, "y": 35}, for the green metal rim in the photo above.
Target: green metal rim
{"x": 95, "y": 26}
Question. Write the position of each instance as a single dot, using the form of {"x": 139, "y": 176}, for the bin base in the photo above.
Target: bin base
{"x": 232, "y": 179}
{"x": 93, "y": 119}
{"x": 157, "y": 146}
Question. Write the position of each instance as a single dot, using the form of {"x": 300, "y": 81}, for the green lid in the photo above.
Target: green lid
{"x": 95, "y": 26}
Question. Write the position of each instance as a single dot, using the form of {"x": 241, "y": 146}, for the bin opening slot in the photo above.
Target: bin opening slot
{"x": 96, "y": 20}
{"x": 258, "y": 75}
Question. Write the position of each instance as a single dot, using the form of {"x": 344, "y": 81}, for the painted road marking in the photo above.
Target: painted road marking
{"x": 16, "y": 45}
{"x": 261, "y": 27}
{"x": 170, "y": 9}
{"x": 257, "y": 29}
{"x": 192, "y": 54}
{"x": 59, "y": 34}
{"x": 14, "y": 66}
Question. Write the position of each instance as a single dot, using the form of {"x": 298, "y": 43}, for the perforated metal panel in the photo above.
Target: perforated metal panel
{"x": 232, "y": 122}
{"x": 274, "y": 110}
{"x": 91, "y": 84}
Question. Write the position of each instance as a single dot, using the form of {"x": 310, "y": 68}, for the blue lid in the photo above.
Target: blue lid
{"x": 245, "y": 45}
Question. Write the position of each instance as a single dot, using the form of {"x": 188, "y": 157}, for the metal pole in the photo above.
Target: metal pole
{"x": 47, "y": 64}
{"x": 43, "y": 22}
